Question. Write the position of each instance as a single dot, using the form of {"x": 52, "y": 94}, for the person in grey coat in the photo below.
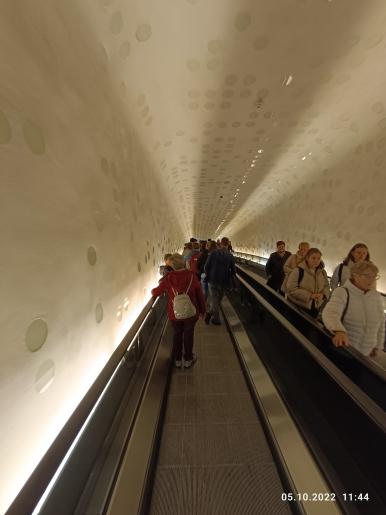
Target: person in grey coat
{"x": 358, "y": 253}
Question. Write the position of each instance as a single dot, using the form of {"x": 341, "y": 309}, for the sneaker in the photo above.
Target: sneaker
{"x": 215, "y": 322}
{"x": 178, "y": 363}
{"x": 191, "y": 362}
{"x": 207, "y": 318}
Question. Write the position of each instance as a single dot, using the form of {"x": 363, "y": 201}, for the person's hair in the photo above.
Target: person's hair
{"x": 167, "y": 256}
{"x": 361, "y": 267}
{"x": 212, "y": 245}
{"x": 280, "y": 242}
{"x": 224, "y": 241}
{"x": 356, "y": 246}
{"x": 193, "y": 240}
{"x": 313, "y": 250}
{"x": 177, "y": 261}
{"x": 303, "y": 244}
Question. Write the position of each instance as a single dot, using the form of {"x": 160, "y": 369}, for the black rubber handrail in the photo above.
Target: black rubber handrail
{"x": 261, "y": 257}
{"x": 34, "y": 488}
{"x": 376, "y": 369}
{"x": 347, "y": 428}
{"x": 377, "y": 414}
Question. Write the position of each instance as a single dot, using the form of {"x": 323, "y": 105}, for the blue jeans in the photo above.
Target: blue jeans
{"x": 204, "y": 286}
{"x": 216, "y": 293}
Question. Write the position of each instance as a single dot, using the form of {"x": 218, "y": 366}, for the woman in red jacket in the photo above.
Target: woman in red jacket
{"x": 178, "y": 281}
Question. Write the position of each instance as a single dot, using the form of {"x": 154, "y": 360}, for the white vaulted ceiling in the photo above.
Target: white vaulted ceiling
{"x": 265, "y": 120}
{"x": 128, "y": 126}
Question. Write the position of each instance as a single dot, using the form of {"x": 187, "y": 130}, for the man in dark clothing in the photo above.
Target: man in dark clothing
{"x": 219, "y": 269}
{"x": 274, "y": 266}
{"x": 202, "y": 258}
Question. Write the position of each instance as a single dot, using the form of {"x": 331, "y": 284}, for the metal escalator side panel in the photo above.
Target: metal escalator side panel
{"x": 303, "y": 471}
{"x": 129, "y": 495}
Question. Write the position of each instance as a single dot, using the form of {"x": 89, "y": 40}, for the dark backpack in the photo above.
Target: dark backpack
{"x": 346, "y": 306}
{"x": 340, "y": 273}
{"x": 283, "y": 287}
{"x": 301, "y": 275}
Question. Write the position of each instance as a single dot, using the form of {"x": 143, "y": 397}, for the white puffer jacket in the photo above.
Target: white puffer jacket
{"x": 364, "y": 321}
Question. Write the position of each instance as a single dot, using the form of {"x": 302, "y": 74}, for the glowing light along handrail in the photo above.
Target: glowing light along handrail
{"x": 69, "y": 452}
{"x": 32, "y": 496}
{"x": 71, "y": 448}
{"x": 262, "y": 260}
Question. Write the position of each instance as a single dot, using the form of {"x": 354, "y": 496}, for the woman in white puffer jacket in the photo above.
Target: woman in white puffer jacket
{"x": 354, "y": 312}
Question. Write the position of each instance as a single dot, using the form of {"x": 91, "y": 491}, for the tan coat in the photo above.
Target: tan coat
{"x": 314, "y": 281}
{"x": 292, "y": 262}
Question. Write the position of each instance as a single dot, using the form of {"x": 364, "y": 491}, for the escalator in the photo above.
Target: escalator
{"x": 369, "y": 376}
{"x": 223, "y": 449}
{"x": 343, "y": 426}
{"x": 320, "y": 437}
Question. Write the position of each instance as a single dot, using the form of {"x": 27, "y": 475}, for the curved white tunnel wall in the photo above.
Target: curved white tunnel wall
{"x": 84, "y": 225}
{"x": 333, "y": 209}
{"x": 126, "y": 127}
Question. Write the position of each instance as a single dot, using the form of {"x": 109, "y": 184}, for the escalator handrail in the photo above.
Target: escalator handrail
{"x": 262, "y": 265}
{"x": 35, "y": 486}
{"x": 373, "y": 366}
{"x": 375, "y": 412}
{"x": 290, "y": 451}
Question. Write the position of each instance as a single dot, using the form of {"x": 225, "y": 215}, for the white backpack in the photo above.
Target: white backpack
{"x": 183, "y": 307}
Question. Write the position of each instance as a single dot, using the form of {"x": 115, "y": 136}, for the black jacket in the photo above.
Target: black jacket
{"x": 201, "y": 261}
{"x": 220, "y": 268}
{"x": 274, "y": 269}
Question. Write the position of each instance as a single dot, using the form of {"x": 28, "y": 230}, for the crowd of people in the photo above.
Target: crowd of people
{"x": 195, "y": 282}
{"x": 349, "y": 305}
